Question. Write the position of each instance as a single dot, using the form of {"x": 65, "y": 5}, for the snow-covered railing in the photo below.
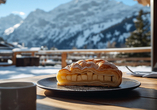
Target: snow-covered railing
{"x": 66, "y": 55}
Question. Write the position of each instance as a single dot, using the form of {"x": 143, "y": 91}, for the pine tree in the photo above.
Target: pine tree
{"x": 141, "y": 36}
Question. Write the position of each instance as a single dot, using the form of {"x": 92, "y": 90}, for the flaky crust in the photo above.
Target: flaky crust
{"x": 91, "y": 72}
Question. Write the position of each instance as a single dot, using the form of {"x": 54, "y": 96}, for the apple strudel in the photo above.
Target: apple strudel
{"x": 91, "y": 72}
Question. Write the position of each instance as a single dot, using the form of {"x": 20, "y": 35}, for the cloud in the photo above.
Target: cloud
{"x": 17, "y": 12}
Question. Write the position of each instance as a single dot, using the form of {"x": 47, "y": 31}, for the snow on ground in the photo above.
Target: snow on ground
{"x": 12, "y": 72}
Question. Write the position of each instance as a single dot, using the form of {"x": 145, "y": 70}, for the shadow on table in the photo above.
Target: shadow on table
{"x": 46, "y": 107}
{"x": 138, "y": 98}
{"x": 40, "y": 97}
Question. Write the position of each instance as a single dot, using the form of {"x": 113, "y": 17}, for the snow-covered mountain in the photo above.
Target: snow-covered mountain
{"x": 79, "y": 23}
{"x": 8, "y": 22}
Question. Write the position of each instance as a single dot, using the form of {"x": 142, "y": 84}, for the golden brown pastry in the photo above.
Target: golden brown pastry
{"x": 91, "y": 72}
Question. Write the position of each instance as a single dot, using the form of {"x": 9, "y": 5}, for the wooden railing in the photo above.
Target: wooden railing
{"x": 64, "y": 55}
{"x": 15, "y": 53}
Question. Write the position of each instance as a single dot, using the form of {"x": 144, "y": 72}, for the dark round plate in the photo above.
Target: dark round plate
{"x": 51, "y": 84}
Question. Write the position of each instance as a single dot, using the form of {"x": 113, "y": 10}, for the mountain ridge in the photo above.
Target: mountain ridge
{"x": 77, "y": 25}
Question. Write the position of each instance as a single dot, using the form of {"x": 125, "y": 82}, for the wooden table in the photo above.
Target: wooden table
{"x": 141, "y": 98}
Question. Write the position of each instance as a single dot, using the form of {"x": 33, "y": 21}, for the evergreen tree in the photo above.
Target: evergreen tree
{"x": 141, "y": 36}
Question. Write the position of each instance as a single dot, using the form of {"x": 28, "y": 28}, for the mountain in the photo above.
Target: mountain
{"x": 9, "y": 21}
{"x": 81, "y": 24}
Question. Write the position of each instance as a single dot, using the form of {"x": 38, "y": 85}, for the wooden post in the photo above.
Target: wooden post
{"x": 153, "y": 33}
{"x": 33, "y": 53}
{"x": 99, "y": 55}
{"x": 14, "y": 58}
{"x": 64, "y": 57}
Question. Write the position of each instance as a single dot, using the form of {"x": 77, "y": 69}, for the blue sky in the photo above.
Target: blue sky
{"x": 24, "y": 7}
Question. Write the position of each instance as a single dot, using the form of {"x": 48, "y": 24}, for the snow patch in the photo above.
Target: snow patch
{"x": 123, "y": 36}
{"x": 80, "y": 41}
{"x": 116, "y": 32}
{"x": 96, "y": 38}
{"x": 127, "y": 26}
{"x": 11, "y": 29}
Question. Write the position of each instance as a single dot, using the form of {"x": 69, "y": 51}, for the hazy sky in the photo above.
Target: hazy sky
{"x": 24, "y": 7}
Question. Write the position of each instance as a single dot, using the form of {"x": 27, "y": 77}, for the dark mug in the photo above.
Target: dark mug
{"x": 17, "y": 96}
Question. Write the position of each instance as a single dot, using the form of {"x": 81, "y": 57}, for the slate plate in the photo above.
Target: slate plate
{"x": 51, "y": 84}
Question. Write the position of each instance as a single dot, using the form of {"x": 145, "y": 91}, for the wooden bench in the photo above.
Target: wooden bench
{"x": 27, "y": 61}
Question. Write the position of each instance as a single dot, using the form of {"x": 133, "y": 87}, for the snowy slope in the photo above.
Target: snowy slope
{"x": 9, "y": 22}
{"x": 77, "y": 23}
